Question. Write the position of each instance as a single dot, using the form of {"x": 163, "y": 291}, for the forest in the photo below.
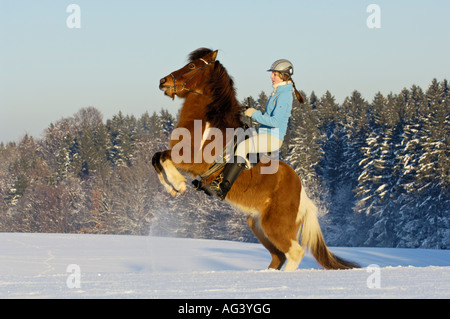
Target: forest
{"x": 379, "y": 170}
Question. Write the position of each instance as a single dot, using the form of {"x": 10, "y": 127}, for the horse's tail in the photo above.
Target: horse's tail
{"x": 313, "y": 239}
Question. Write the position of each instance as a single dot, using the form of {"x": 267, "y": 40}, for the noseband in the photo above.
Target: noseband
{"x": 183, "y": 87}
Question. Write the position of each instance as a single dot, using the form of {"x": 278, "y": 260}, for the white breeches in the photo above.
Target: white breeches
{"x": 258, "y": 143}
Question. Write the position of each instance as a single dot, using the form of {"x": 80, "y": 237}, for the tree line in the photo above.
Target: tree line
{"x": 380, "y": 168}
{"x": 379, "y": 171}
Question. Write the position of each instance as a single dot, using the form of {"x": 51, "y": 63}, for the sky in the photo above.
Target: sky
{"x": 121, "y": 50}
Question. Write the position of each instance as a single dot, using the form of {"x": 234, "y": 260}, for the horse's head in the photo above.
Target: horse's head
{"x": 191, "y": 77}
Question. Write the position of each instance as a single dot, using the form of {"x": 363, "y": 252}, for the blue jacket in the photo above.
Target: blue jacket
{"x": 275, "y": 118}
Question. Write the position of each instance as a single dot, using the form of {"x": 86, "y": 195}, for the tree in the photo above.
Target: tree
{"x": 261, "y": 101}
{"x": 304, "y": 149}
{"x": 355, "y": 120}
{"x": 122, "y": 132}
{"x": 429, "y": 207}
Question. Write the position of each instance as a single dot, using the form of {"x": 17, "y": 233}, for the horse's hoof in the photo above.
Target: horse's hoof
{"x": 182, "y": 188}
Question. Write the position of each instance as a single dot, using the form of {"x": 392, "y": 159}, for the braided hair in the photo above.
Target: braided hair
{"x": 287, "y": 77}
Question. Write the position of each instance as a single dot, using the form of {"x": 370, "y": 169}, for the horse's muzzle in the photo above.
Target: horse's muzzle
{"x": 161, "y": 83}
{"x": 168, "y": 90}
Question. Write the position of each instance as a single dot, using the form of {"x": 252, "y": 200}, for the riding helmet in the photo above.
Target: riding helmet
{"x": 282, "y": 66}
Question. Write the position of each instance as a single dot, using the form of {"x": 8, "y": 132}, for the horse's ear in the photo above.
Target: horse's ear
{"x": 214, "y": 55}
{"x": 211, "y": 56}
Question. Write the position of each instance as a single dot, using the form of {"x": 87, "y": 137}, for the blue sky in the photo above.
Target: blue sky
{"x": 115, "y": 60}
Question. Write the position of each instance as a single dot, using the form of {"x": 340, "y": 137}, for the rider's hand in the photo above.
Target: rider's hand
{"x": 249, "y": 112}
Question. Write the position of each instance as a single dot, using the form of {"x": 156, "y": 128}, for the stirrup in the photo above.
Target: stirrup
{"x": 211, "y": 189}
{"x": 215, "y": 184}
{"x": 197, "y": 184}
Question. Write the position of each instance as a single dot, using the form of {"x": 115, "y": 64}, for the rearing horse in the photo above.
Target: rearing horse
{"x": 276, "y": 204}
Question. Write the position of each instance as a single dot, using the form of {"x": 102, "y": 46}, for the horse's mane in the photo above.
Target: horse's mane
{"x": 197, "y": 54}
{"x": 224, "y": 111}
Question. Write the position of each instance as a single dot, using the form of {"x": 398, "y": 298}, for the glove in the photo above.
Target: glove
{"x": 249, "y": 112}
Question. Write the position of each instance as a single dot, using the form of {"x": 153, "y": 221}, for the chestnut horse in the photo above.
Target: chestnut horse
{"x": 276, "y": 204}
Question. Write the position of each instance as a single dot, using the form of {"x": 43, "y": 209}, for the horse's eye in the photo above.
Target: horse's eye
{"x": 191, "y": 66}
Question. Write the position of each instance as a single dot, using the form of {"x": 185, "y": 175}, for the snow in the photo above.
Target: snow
{"x": 45, "y": 266}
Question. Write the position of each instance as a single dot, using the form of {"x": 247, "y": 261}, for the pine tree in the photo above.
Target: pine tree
{"x": 354, "y": 116}
{"x": 167, "y": 123}
{"x": 304, "y": 151}
{"x": 378, "y": 184}
{"x": 122, "y": 132}
{"x": 376, "y": 179}
{"x": 88, "y": 153}
{"x": 410, "y": 149}
{"x": 27, "y": 168}
{"x": 261, "y": 101}
{"x": 328, "y": 113}
{"x": 330, "y": 171}
{"x": 431, "y": 181}
{"x": 63, "y": 159}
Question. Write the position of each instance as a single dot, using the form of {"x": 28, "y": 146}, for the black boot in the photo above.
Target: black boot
{"x": 198, "y": 186}
{"x": 230, "y": 173}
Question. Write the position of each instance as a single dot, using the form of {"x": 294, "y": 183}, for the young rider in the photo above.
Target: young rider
{"x": 273, "y": 125}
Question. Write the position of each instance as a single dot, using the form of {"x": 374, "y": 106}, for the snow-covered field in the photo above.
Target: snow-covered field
{"x": 106, "y": 266}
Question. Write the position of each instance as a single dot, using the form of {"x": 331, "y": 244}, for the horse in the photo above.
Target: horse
{"x": 277, "y": 207}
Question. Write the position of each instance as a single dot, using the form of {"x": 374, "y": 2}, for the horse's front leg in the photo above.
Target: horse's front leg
{"x": 168, "y": 174}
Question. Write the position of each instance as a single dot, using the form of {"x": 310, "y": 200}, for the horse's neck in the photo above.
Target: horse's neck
{"x": 195, "y": 108}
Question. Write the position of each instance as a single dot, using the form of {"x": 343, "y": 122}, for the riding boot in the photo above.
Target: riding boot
{"x": 198, "y": 186}
{"x": 226, "y": 179}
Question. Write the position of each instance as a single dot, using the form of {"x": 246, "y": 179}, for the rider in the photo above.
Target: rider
{"x": 273, "y": 125}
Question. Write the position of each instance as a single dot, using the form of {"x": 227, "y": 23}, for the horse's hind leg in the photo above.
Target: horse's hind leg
{"x": 282, "y": 233}
{"x": 278, "y": 257}
{"x": 294, "y": 256}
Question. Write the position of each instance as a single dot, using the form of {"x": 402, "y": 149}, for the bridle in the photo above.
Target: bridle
{"x": 183, "y": 87}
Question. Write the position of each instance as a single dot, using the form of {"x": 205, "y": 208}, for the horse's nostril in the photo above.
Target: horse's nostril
{"x": 162, "y": 81}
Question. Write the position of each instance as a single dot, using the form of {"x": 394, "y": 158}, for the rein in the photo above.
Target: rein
{"x": 183, "y": 87}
